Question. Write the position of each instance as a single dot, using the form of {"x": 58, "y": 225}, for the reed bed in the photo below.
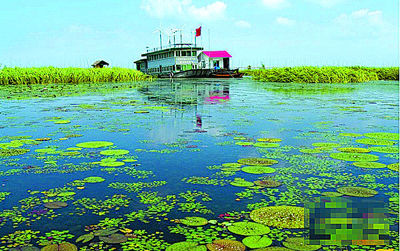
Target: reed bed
{"x": 48, "y": 75}
{"x": 327, "y": 74}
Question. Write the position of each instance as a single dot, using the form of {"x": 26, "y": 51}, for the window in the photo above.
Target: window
{"x": 193, "y": 53}
{"x": 178, "y": 67}
{"x": 178, "y": 53}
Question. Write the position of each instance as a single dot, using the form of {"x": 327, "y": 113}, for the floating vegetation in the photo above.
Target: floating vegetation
{"x": 248, "y": 228}
{"x": 354, "y": 156}
{"x": 384, "y": 149}
{"x": 376, "y": 142}
{"x": 194, "y": 221}
{"x": 55, "y": 204}
{"x": 327, "y": 145}
{"x": 114, "y": 152}
{"x": 257, "y": 161}
{"x": 350, "y": 134}
{"x": 332, "y": 194}
{"x": 205, "y": 181}
{"x": 279, "y": 216}
{"x": 394, "y": 166}
{"x": 94, "y": 144}
{"x": 270, "y": 140}
{"x": 366, "y": 164}
{"x": 62, "y": 246}
{"x": 267, "y": 183}
{"x": 354, "y": 150}
{"x": 12, "y": 152}
{"x": 136, "y": 187}
{"x": 239, "y": 182}
{"x": 93, "y": 179}
{"x": 298, "y": 243}
{"x": 357, "y": 191}
{"x": 382, "y": 135}
{"x": 226, "y": 245}
{"x": 258, "y": 169}
{"x": 257, "y": 241}
{"x": 266, "y": 145}
{"x": 114, "y": 238}
{"x": 185, "y": 245}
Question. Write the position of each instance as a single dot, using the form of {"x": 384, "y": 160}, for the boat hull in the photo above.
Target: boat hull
{"x": 204, "y": 73}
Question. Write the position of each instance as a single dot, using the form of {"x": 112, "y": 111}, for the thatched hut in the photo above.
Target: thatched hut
{"x": 100, "y": 64}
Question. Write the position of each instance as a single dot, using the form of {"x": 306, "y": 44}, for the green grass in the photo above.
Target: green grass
{"x": 50, "y": 75}
{"x": 327, "y": 74}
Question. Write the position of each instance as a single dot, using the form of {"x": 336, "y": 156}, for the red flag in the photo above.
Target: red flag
{"x": 198, "y": 32}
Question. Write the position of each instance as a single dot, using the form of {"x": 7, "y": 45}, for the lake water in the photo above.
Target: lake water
{"x": 178, "y": 135}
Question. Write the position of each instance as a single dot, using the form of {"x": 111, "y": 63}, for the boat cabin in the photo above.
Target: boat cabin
{"x": 175, "y": 58}
{"x": 214, "y": 60}
{"x": 100, "y": 64}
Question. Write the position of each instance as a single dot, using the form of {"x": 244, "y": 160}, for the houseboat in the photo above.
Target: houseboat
{"x": 185, "y": 60}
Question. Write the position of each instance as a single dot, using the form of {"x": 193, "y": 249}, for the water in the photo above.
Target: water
{"x": 189, "y": 128}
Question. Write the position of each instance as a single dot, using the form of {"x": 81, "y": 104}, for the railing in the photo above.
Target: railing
{"x": 171, "y": 46}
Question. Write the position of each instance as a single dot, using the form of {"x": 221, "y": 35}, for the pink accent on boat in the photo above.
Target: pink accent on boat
{"x": 217, "y": 54}
{"x": 217, "y": 97}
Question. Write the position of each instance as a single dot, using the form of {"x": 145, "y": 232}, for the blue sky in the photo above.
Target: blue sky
{"x": 273, "y": 32}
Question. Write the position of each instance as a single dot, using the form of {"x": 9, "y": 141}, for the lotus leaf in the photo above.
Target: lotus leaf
{"x": 226, "y": 245}
{"x": 350, "y": 134}
{"x": 326, "y": 144}
{"x": 239, "y": 182}
{"x": 258, "y": 169}
{"x": 394, "y": 166}
{"x": 66, "y": 246}
{"x": 354, "y": 156}
{"x": 270, "y": 140}
{"x": 378, "y": 142}
{"x": 93, "y": 179}
{"x": 257, "y": 161}
{"x": 186, "y": 246}
{"x": 239, "y": 138}
{"x": 62, "y": 121}
{"x": 248, "y": 228}
{"x": 12, "y": 152}
{"x": 94, "y": 144}
{"x": 114, "y": 238}
{"x": 244, "y": 143}
{"x": 194, "y": 221}
{"x": 382, "y": 135}
{"x": 266, "y": 145}
{"x": 331, "y": 194}
{"x": 272, "y": 249}
{"x": 297, "y": 243}
{"x": 366, "y": 164}
{"x": 55, "y": 204}
{"x": 129, "y": 160}
{"x": 85, "y": 238}
{"x": 267, "y": 183}
{"x": 257, "y": 241}
{"x": 357, "y": 191}
{"x": 11, "y": 144}
{"x": 354, "y": 150}
{"x": 111, "y": 164}
{"x": 74, "y": 148}
{"x": 114, "y": 152}
{"x": 105, "y": 232}
{"x": 279, "y": 216}
{"x": 384, "y": 149}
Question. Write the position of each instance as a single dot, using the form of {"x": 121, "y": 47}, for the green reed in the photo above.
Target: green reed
{"x": 47, "y": 75}
{"x": 327, "y": 74}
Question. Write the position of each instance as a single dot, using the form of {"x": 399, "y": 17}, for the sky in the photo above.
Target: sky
{"x": 275, "y": 33}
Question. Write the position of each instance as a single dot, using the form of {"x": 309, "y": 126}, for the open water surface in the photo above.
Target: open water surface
{"x": 178, "y": 135}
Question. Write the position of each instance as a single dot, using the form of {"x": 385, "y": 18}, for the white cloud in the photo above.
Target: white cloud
{"x": 184, "y": 9}
{"x": 243, "y": 24}
{"x": 364, "y": 16}
{"x": 327, "y": 3}
{"x": 364, "y": 22}
{"x": 285, "y": 21}
{"x": 275, "y": 4}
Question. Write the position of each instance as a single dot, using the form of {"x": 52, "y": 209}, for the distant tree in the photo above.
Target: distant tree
{"x": 262, "y": 66}
{"x": 249, "y": 67}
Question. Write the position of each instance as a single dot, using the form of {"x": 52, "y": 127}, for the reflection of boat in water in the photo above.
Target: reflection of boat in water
{"x": 186, "y": 92}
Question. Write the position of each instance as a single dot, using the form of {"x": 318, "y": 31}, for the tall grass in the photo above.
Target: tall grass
{"x": 47, "y": 75}
{"x": 328, "y": 74}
